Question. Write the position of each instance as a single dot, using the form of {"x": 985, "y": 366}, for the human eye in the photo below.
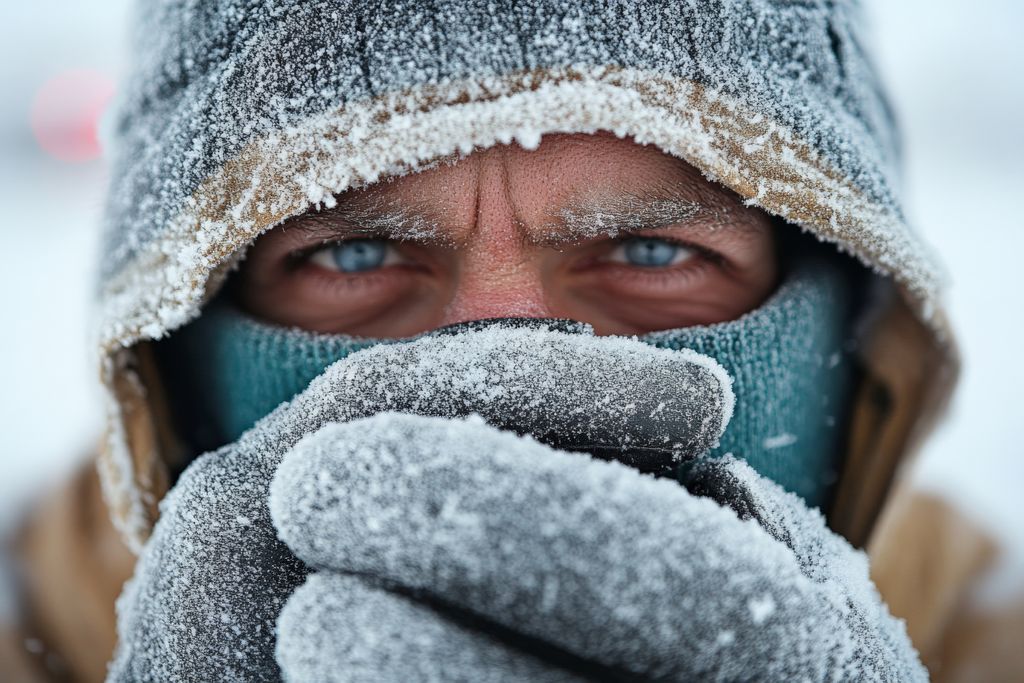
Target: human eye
{"x": 650, "y": 252}
{"x": 356, "y": 256}
{"x": 324, "y": 279}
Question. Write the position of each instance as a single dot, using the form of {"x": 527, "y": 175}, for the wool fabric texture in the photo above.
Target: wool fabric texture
{"x": 787, "y": 358}
{"x": 790, "y": 360}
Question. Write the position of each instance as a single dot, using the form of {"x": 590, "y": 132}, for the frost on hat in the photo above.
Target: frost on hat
{"x": 239, "y": 115}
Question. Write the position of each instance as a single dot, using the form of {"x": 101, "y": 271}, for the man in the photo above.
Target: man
{"x": 387, "y": 219}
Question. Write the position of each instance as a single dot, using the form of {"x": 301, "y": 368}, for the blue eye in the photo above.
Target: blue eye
{"x": 648, "y": 252}
{"x": 354, "y": 256}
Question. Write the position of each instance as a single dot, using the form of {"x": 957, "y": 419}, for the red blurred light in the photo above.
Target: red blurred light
{"x": 66, "y": 112}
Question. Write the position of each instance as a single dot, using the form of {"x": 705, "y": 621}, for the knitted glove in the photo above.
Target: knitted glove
{"x": 623, "y": 573}
{"x": 208, "y": 588}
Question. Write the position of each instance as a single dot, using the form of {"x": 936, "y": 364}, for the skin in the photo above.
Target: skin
{"x": 511, "y": 232}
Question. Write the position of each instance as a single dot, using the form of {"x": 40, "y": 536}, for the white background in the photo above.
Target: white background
{"x": 953, "y": 68}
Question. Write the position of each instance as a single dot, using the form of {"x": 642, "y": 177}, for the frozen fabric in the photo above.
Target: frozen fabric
{"x": 450, "y": 530}
{"x": 536, "y": 560}
{"x": 632, "y": 573}
{"x": 339, "y": 627}
{"x": 212, "y": 580}
{"x": 213, "y": 77}
{"x": 789, "y": 360}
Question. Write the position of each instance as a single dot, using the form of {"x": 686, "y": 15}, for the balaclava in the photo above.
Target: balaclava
{"x": 789, "y": 360}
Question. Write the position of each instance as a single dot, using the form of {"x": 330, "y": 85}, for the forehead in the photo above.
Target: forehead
{"x": 570, "y": 188}
{"x": 563, "y": 172}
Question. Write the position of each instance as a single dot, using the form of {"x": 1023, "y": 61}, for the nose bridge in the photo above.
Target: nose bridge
{"x": 499, "y": 274}
{"x": 501, "y": 289}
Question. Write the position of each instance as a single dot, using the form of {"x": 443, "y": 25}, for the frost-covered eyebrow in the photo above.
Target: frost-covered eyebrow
{"x": 611, "y": 216}
{"x": 579, "y": 220}
{"x": 625, "y": 213}
{"x": 373, "y": 218}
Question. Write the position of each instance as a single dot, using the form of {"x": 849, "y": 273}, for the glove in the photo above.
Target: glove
{"x": 621, "y": 574}
{"x": 211, "y": 581}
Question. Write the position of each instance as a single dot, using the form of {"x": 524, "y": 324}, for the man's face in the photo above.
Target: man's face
{"x": 588, "y": 227}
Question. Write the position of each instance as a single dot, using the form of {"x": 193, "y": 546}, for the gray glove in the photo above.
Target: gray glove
{"x": 603, "y": 565}
{"x": 212, "y": 580}
{"x": 448, "y": 550}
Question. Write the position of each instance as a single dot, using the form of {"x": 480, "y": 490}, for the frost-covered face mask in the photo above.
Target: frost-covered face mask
{"x": 789, "y": 369}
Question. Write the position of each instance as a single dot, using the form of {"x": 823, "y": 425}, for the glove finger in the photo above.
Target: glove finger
{"x": 620, "y": 398}
{"x": 210, "y": 582}
{"x": 341, "y": 628}
{"x": 594, "y": 557}
{"x": 732, "y": 483}
{"x": 877, "y": 640}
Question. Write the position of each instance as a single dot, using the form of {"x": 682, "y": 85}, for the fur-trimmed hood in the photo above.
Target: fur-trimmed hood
{"x": 239, "y": 115}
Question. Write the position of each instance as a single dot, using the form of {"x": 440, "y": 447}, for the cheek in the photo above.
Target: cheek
{"x": 638, "y": 302}
{"x": 614, "y": 311}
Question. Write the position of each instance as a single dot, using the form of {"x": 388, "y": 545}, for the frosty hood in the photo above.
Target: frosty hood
{"x": 238, "y": 116}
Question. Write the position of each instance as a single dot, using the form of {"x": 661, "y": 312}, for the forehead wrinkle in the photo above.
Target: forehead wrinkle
{"x": 521, "y": 229}
{"x": 686, "y": 204}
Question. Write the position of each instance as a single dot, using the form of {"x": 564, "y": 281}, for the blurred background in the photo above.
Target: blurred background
{"x": 954, "y": 71}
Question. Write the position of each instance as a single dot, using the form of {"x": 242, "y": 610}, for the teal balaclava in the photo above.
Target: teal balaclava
{"x": 787, "y": 358}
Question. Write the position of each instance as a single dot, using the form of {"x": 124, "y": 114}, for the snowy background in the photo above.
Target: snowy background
{"x": 954, "y": 68}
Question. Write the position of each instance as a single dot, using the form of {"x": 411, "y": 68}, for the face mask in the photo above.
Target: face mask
{"x": 791, "y": 374}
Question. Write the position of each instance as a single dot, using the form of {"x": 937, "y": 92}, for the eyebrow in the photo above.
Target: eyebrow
{"x": 612, "y": 216}
{"x": 580, "y": 219}
{"x": 375, "y": 218}
{"x": 629, "y": 212}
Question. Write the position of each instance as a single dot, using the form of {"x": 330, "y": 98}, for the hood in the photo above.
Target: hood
{"x": 239, "y": 115}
